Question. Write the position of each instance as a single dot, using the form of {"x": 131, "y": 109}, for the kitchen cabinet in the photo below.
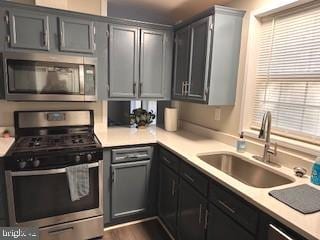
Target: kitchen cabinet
{"x": 129, "y": 188}
{"x": 140, "y": 63}
{"x": 123, "y": 61}
{"x": 76, "y": 35}
{"x": 152, "y": 63}
{"x": 207, "y": 56}
{"x": 28, "y": 30}
{"x": 271, "y": 229}
{"x": 130, "y": 178}
{"x": 181, "y": 62}
{"x": 168, "y": 198}
{"x": 221, "y": 226}
{"x": 192, "y": 213}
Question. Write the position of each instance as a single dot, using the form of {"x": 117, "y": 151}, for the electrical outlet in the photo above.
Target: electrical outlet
{"x": 217, "y": 114}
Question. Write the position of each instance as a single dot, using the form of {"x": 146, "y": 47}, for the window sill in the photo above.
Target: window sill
{"x": 288, "y": 143}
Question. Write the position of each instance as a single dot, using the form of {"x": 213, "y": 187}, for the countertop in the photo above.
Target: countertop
{"x": 5, "y": 144}
{"x": 188, "y": 145}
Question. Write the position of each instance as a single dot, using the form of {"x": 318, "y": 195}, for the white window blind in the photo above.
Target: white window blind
{"x": 288, "y": 73}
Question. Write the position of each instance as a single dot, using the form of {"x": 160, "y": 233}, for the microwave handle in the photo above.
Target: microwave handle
{"x": 46, "y": 172}
{"x": 81, "y": 78}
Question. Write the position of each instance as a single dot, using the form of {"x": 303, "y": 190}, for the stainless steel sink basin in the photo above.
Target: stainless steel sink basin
{"x": 244, "y": 171}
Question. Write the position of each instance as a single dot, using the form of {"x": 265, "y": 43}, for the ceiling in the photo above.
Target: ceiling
{"x": 161, "y": 11}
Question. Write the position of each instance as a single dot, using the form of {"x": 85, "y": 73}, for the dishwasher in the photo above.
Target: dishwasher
{"x": 130, "y": 174}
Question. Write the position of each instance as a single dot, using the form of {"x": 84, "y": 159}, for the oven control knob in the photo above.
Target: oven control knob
{"x": 22, "y": 164}
{"x": 36, "y": 163}
{"x": 89, "y": 157}
{"x": 77, "y": 159}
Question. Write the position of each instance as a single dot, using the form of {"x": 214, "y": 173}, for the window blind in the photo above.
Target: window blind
{"x": 288, "y": 73}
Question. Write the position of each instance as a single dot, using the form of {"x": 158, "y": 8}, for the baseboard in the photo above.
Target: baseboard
{"x": 130, "y": 223}
{"x": 165, "y": 228}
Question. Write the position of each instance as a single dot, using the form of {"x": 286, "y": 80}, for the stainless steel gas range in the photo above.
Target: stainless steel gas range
{"x": 37, "y": 185}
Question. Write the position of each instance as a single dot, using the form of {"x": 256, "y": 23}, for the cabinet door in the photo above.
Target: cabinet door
{"x": 192, "y": 211}
{"x": 28, "y": 30}
{"x": 181, "y": 61}
{"x": 220, "y": 226}
{"x": 123, "y": 61}
{"x": 129, "y": 190}
{"x": 76, "y": 35}
{"x": 168, "y": 198}
{"x": 199, "y": 59}
{"x": 152, "y": 63}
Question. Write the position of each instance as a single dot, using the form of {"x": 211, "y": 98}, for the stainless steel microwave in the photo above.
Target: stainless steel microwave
{"x": 49, "y": 77}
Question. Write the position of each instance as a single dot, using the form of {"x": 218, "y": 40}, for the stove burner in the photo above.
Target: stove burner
{"x": 54, "y": 141}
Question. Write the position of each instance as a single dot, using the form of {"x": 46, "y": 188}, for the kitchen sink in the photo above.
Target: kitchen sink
{"x": 244, "y": 171}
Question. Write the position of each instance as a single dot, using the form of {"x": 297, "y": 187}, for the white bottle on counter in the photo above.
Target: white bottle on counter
{"x": 241, "y": 144}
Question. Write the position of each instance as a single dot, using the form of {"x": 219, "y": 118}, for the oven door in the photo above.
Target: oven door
{"x": 48, "y": 77}
{"x": 42, "y": 198}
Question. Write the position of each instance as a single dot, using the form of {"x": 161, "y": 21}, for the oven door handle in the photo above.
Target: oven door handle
{"x": 47, "y": 172}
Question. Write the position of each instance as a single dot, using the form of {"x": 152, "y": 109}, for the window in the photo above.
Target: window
{"x": 288, "y": 73}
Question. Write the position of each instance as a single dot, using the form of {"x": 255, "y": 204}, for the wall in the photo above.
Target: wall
{"x": 230, "y": 116}
{"x": 96, "y": 7}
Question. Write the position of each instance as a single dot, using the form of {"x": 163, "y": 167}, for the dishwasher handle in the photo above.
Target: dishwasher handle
{"x": 274, "y": 233}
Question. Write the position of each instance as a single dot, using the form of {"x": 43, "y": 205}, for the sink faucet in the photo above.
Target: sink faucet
{"x": 265, "y": 133}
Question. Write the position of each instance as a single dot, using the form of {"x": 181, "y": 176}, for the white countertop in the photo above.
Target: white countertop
{"x": 188, "y": 145}
{"x": 5, "y": 144}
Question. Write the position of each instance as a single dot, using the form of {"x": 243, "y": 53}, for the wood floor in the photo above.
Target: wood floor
{"x": 150, "y": 230}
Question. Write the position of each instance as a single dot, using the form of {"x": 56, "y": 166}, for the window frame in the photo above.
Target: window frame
{"x": 249, "y": 87}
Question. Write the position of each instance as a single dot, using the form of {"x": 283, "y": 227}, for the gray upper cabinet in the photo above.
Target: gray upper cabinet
{"x": 181, "y": 62}
{"x": 199, "y": 59}
{"x": 28, "y": 30}
{"x": 76, "y": 35}
{"x": 129, "y": 190}
{"x": 123, "y": 61}
{"x": 152, "y": 63}
{"x": 207, "y": 57}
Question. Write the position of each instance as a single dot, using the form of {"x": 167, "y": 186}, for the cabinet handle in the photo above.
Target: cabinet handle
{"x": 62, "y": 43}
{"x": 112, "y": 176}
{"x": 134, "y": 88}
{"x": 166, "y": 160}
{"x": 173, "y": 188}
{"x": 187, "y": 176}
{"x": 200, "y": 213}
{"x": 45, "y": 38}
{"x": 227, "y": 207}
{"x": 206, "y": 219}
{"x": 182, "y": 88}
{"x": 187, "y": 88}
{"x": 280, "y": 232}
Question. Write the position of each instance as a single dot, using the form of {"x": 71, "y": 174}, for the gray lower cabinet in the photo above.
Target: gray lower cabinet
{"x": 152, "y": 63}
{"x": 129, "y": 189}
{"x": 168, "y": 198}
{"x": 76, "y": 35}
{"x": 28, "y": 30}
{"x": 192, "y": 214}
{"x": 123, "y": 61}
{"x": 221, "y": 226}
{"x": 181, "y": 62}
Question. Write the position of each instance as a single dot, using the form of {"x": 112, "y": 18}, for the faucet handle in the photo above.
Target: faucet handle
{"x": 274, "y": 151}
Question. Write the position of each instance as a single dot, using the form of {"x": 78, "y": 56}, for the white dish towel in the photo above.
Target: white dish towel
{"x": 78, "y": 177}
